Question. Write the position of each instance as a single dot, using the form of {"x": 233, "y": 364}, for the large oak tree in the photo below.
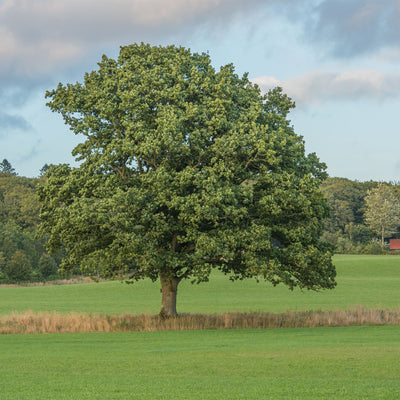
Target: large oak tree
{"x": 184, "y": 169}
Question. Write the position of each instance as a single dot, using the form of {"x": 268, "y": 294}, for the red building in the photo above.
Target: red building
{"x": 394, "y": 244}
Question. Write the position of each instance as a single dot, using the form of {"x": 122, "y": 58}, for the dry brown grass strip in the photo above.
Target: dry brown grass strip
{"x": 34, "y": 323}
{"x": 57, "y": 282}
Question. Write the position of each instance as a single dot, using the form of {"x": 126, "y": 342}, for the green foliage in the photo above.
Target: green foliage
{"x": 18, "y": 202}
{"x": 382, "y": 213}
{"x": 357, "y": 233}
{"x": 6, "y": 169}
{"x": 19, "y": 216}
{"x": 18, "y": 268}
{"x": 17, "y": 246}
{"x": 3, "y": 261}
{"x": 346, "y": 199}
{"x": 374, "y": 246}
{"x": 347, "y": 228}
{"x": 47, "y": 266}
{"x": 184, "y": 169}
{"x": 44, "y": 169}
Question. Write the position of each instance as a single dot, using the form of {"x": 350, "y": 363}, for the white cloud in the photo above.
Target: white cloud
{"x": 319, "y": 86}
{"x": 42, "y": 35}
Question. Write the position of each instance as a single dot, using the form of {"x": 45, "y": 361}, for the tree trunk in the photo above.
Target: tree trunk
{"x": 169, "y": 289}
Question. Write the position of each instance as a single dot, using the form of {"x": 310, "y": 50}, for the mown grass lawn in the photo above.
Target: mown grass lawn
{"x": 368, "y": 281}
{"x": 308, "y": 363}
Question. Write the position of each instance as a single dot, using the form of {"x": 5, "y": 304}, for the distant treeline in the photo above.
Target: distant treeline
{"x": 23, "y": 256}
{"x": 347, "y": 228}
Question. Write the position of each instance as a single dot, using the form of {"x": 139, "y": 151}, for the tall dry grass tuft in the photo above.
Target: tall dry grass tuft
{"x": 32, "y": 323}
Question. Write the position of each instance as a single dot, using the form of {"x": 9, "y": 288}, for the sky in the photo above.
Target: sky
{"x": 337, "y": 59}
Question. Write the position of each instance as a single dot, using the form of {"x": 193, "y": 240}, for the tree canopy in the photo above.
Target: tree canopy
{"x": 382, "y": 213}
{"x": 184, "y": 169}
{"x": 6, "y": 169}
{"x": 20, "y": 252}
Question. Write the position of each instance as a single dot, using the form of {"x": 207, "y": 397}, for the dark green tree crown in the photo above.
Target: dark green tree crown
{"x": 6, "y": 168}
{"x": 184, "y": 169}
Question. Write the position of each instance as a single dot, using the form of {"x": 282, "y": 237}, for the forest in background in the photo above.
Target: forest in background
{"x": 348, "y": 228}
{"x": 23, "y": 256}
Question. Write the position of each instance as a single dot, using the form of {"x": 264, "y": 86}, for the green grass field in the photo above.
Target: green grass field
{"x": 313, "y": 363}
{"x": 369, "y": 281}
{"x": 308, "y": 363}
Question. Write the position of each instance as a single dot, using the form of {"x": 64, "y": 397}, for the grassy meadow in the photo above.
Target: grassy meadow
{"x": 367, "y": 281}
{"x": 357, "y": 362}
{"x": 307, "y": 363}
